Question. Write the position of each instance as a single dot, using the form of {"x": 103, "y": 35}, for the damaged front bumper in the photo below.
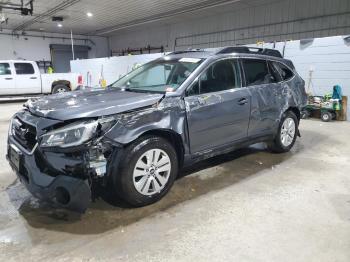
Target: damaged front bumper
{"x": 63, "y": 190}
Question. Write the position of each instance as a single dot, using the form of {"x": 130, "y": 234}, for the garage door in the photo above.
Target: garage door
{"x": 61, "y": 55}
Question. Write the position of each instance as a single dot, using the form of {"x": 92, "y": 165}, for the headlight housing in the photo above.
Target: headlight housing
{"x": 77, "y": 133}
{"x": 70, "y": 135}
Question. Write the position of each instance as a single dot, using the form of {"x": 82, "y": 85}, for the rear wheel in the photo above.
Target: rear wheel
{"x": 145, "y": 172}
{"x": 287, "y": 133}
{"x": 60, "y": 89}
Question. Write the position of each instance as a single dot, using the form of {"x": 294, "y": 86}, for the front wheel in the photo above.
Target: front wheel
{"x": 145, "y": 171}
{"x": 287, "y": 133}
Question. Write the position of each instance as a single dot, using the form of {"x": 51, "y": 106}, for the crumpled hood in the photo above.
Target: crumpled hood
{"x": 89, "y": 103}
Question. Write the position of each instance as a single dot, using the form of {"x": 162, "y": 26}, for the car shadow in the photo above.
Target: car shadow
{"x": 200, "y": 179}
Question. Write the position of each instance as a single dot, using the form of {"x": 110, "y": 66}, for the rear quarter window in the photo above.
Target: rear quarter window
{"x": 283, "y": 70}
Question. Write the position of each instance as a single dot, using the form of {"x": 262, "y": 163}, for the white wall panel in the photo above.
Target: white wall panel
{"x": 38, "y": 48}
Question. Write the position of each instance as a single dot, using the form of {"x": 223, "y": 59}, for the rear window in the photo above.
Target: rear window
{"x": 257, "y": 72}
{"x": 283, "y": 70}
{"x": 5, "y": 69}
{"x": 24, "y": 69}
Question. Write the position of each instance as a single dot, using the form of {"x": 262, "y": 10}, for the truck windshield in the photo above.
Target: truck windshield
{"x": 159, "y": 75}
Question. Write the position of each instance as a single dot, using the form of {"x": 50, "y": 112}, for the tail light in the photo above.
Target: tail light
{"x": 80, "y": 80}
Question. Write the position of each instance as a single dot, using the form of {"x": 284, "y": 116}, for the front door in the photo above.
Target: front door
{"x": 218, "y": 109}
{"x": 7, "y": 81}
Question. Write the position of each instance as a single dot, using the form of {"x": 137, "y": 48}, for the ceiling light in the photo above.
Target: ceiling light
{"x": 89, "y": 14}
{"x": 59, "y": 25}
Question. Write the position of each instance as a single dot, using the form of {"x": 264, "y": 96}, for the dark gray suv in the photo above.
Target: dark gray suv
{"x": 133, "y": 137}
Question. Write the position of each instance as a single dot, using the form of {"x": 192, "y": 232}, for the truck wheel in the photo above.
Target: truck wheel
{"x": 60, "y": 89}
{"x": 326, "y": 116}
{"x": 287, "y": 133}
{"x": 145, "y": 171}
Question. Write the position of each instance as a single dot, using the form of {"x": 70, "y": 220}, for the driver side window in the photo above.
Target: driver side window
{"x": 222, "y": 75}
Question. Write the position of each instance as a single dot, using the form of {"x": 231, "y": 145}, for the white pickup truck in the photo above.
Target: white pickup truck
{"x": 19, "y": 77}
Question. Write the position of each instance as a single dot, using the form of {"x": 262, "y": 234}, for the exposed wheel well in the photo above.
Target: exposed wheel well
{"x": 296, "y": 111}
{"x": 172, "y": 137}
{"x": 61, "y": 82}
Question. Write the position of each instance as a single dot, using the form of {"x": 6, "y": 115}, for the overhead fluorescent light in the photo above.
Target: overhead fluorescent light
{"x": 89, "y": 14}
{"x": 59, "y": 25}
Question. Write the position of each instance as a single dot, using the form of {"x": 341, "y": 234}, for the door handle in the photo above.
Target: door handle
{"x": 242, "y": 101}
{"x": 8, "y": 78}
{"x": 33, "y": 77}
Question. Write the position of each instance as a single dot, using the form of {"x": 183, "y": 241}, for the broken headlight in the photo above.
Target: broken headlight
{"x": 76, "y": 133}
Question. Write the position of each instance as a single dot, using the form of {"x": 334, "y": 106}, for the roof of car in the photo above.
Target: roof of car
{"x": 190, "y": 54}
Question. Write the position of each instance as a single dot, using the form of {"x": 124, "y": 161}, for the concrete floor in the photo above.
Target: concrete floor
{"x": 248, "y": 205}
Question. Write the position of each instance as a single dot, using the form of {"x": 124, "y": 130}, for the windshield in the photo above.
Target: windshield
{"x": 159, "y": 75}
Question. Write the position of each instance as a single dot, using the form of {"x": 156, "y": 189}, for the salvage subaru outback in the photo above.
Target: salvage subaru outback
{"x": 133, "y": 137}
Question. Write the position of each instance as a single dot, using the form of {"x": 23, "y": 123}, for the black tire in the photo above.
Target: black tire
{"x": 326, "y": 116}
{"x": 60, "y": 89}
{"x": 122, "y": 168}
{"x": 277, "y": 145}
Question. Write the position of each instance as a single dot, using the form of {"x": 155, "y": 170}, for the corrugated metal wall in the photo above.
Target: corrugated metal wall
{"x": 263, "y": 21}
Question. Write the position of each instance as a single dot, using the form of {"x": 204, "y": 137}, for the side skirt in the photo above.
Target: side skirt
{"x": 190, "y": 159}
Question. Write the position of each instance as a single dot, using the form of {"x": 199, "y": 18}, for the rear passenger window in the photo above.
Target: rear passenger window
{"x": 24, "y": 69}
{"x": 283, "y": 70}
{"x": 257, "y": 72}
{"x": 5, "y": 69}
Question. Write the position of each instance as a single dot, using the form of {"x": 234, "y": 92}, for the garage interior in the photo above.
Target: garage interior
{"x": 247, "y": 205}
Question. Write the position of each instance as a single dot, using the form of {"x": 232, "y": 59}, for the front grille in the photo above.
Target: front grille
{"x": 24, "y": 133}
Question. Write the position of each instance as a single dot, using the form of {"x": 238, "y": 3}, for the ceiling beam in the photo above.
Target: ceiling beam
{"x": 184, "y": 10}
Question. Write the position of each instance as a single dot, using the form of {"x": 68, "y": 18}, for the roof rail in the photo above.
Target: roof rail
{"x": 250, "y": 50}
{"x": 186, "y": 51}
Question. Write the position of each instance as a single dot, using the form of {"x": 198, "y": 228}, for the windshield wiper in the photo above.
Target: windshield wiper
{"x": 132, "y": 90}
{"x": 137, "y": 90}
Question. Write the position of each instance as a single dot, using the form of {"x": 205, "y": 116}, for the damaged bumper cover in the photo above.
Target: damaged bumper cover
{"x": 62, "y": 175}
{"x": 62, "y": 190}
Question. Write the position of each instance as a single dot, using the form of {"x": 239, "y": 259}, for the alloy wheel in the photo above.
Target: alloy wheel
{"x": 151, "y": 172}
{"x": 288, "y": 132}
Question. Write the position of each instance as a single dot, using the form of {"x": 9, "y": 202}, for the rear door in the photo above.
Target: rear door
{"x": 27, "y": 78}
{"x": 263, "y": 86}
{"x": 218, "y": 109}
{"x": 7, "y": 81}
